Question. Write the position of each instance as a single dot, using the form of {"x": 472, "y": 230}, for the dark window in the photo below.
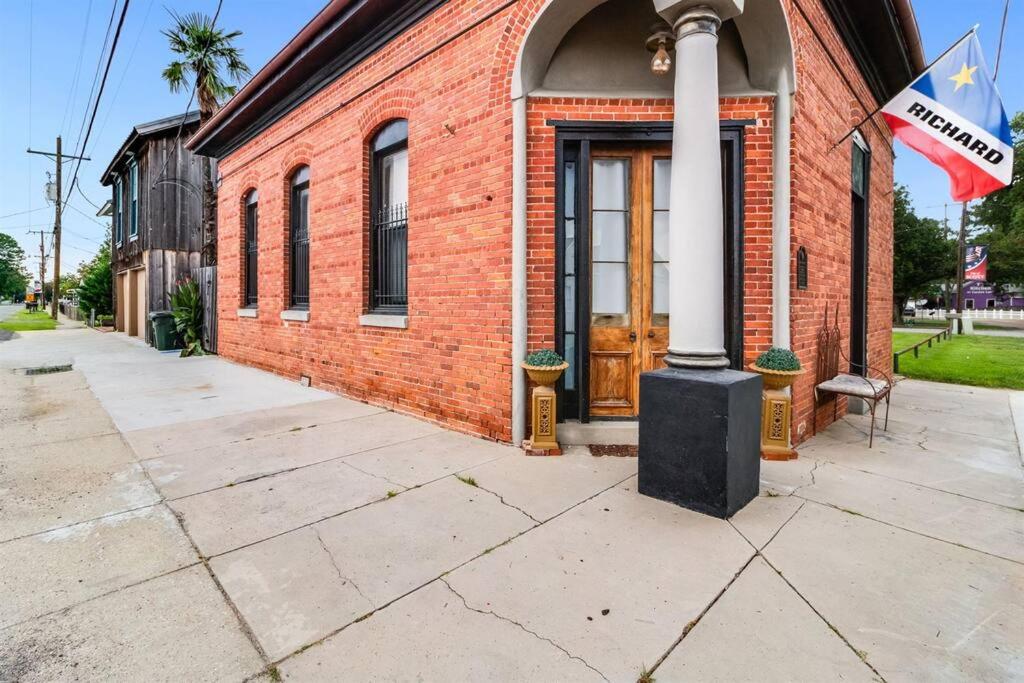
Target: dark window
{"x": 118, "y": 211}
{"x": 299, "y": 239}
{"x": 860, "y": 182}
{"x": 133, "y": 207}
{"x": 251, "y": 268}
{"x": 389, "y": 228}
{"x": 801, "y": 268}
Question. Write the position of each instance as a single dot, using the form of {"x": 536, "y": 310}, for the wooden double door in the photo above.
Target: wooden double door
{"x": 629, "y": 270}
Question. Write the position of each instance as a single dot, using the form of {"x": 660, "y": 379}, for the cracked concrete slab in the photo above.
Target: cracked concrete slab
{"x": 39, "y": 496}
{"x": 544, "y": 487}
{"x": 289, "y": 591}
{"x": 761, "y": 630}
{"x": 174, "y": 628}
{"x": 361, "y": 560}
{"x": 764, "y": 516}
{"x": 234, "y": 516}
{"x": 60, "y": 568}
{"x": 183, "y": 437}
{"x": 431, "y": 636}
{"x": 974, "y": 524}
{"x": 413, "y": 463}
{"x": 613, "y": 581}
{"x": 986, "y": 471}
{"x": 919, "y": 609}
{"x": 209, "y": 468}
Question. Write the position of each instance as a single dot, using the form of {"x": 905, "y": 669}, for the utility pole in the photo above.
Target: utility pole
{"x": 59, "y": 209}
{"x": 961, "y": 253}
{"x": 56, "y": 240}
{"x": 42, "y": 265}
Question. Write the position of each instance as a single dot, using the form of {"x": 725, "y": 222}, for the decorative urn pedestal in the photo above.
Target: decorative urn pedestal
{"x": 776, "y": 412}
{"x": 543, "y": 440}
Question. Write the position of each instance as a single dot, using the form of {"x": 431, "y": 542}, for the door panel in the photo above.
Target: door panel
{"x": 613, "y": 295}
{"x": 629, "y": 274}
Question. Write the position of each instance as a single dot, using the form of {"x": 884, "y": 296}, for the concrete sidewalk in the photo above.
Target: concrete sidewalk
{"x": 190, "y": 519}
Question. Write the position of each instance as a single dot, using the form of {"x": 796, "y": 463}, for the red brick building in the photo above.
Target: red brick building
{"x": 414, "y": 194}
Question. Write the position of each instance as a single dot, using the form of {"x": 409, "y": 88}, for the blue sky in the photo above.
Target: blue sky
{"x": 36, "y": 103}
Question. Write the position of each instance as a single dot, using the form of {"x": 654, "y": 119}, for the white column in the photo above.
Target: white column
{"x": 696, "y": 244}
{"x": 780, "y": 212}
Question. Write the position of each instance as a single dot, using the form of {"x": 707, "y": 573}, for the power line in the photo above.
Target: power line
{"x": 66, "y": 119}
{"x": 20, "y": 213}
{"x": 99, "y": 93}
{"x": 131, "y": 55}
{"x": 96, "y": 75}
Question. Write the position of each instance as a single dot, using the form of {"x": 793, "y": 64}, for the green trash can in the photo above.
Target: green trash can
{"x": 165, "y": 336}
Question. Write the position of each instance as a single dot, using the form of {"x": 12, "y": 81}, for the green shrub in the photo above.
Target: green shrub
{"x": 187, "y": 307}
{"x": 778, "y": 359}
{"x": 544, "y": 358}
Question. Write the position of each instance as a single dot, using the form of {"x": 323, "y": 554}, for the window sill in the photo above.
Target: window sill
{"x": 296, "y": 314}
{"x": 246, "y": 312}
{"x": 400, "y": 322}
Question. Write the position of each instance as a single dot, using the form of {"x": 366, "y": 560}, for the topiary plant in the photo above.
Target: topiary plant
{"x": 545, "y": 358}
{"x": 778, "y": 359}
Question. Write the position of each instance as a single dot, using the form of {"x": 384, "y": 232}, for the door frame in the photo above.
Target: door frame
{"x": 572, "y": 144}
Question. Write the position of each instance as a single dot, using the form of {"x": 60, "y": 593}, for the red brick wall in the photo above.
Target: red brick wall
{"x": 450, "y": 75}
{"x": 757, "y": 210}
{"x": 831, "y": 98}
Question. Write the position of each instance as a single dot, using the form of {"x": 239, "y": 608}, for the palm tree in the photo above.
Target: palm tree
{"x": 205, "y": 54}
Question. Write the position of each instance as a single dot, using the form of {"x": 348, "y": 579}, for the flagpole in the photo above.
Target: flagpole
{"x": 930, "y": 65}
{"x": 962, "y": 242}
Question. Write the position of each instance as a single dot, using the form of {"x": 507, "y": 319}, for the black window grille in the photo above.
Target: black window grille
{"x": 251, "y": 256}
{"x": 389, "y": 226}
{"x": 299, "y": 262}
{"x": 390, "y": 248}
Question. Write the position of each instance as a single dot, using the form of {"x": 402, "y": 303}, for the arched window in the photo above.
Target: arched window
{"x": 251, "y": 268}
{"x": 389, "y": 211}
{"x": 298, "y": 263}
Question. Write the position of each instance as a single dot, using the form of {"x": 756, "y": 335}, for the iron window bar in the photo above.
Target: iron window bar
{"x": 390, "y": 265}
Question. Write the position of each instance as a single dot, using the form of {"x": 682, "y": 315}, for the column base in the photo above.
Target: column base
{"x": 700, "y": 444}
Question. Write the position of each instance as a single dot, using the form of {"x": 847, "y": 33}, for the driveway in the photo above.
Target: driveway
{"x": 190, "y": 519}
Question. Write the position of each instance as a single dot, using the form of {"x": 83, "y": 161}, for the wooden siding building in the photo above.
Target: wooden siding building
{"x": 156, "y": 186}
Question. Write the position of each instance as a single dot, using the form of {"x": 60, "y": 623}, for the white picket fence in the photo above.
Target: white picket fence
{"x": 973, "y": 314}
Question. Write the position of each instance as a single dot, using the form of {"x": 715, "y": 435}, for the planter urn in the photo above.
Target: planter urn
{"x": 776, "y": 412}
{"x": 544, "y": 438}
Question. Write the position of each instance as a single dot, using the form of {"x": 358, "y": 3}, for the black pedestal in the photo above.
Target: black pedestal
{"x": 700, "y": 438}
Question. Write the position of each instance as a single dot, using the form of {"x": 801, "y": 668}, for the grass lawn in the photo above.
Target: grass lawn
{"x": 26, "y": 321}
{"x": 976, "y": 360}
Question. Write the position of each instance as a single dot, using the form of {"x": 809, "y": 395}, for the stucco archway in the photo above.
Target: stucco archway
{"x": 766, "y": 45}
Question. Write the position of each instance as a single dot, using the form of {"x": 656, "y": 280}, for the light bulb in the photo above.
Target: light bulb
{"x": 661, "y": 63}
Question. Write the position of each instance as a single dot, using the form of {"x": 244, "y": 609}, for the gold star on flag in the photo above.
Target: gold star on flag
{"x": 964, "y": 77}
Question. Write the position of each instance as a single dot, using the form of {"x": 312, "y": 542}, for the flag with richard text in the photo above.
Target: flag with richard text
{"x": 953, "y": 115}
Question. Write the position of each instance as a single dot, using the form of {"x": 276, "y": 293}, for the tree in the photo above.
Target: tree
{"x": 13, "y": 278}
{"x": 97, "y": 288}
{"x": 1002, "y": 215}
{"x": 922, "y": 256}
{"x": 206, "y": 53}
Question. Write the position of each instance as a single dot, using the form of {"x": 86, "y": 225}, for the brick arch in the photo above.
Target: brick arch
{"x": 388, "y": 106}
{"x": 517, "y": 25}
{"x": 249, "y": 183}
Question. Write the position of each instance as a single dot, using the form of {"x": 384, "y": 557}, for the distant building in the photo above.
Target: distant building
{"x": 979, "y": 295}
{"x": 156, "y": 209}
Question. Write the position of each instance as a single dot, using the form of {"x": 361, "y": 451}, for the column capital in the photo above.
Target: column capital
{"x": 673, "y": 11}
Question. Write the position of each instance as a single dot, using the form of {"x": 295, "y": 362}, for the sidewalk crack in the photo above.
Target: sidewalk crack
{"x": 817, "y": 464}
{"x": 516, "y": 623}
{"x": 337, "y": 569}
{"x": 508, "y": 504}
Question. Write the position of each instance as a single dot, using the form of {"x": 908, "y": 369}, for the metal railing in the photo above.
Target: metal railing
{"x": 915, "y": 349}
